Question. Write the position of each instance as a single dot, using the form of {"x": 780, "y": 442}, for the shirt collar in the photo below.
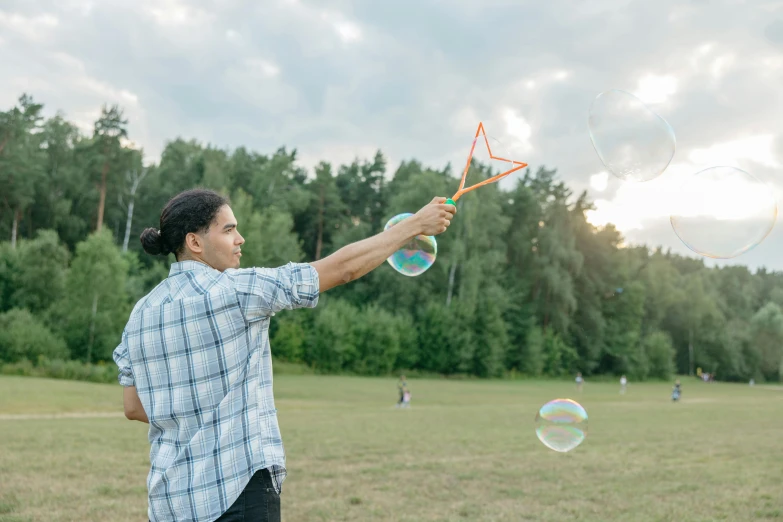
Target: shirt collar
{"x": 188, "y": 266}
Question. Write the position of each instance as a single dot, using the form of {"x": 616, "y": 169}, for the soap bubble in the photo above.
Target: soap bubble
{"x": 561, "y": 425}
{"x": 633, "y": 142}
{"x": 417, "y": 255}
{"x": 722, "y": 212}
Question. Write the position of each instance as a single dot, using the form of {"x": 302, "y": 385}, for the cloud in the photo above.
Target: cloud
{"x": 175, "y": 13}
{"x": 262, "y": 66}
{"x": 519, "y": 132}
{"x": 656, "y": 89}
{"x": 599, "y": 182}
{"x": 32, "y": 28}
{"x": 348, "y": 31}
{"x": 685, "y": 190}
{"x": 341, "y": 78}
{"x": 757, "y": 149}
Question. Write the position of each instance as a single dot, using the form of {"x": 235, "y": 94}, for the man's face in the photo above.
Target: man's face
{"x": 222, "y": 242}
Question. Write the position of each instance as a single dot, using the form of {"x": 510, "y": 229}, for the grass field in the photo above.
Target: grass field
{"x": 466, "y": 450}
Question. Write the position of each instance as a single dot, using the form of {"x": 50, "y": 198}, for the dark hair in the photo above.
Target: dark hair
{"x": 190, "y": 211}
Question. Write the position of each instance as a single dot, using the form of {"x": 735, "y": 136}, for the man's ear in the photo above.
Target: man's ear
{"x": 194, "y": 243}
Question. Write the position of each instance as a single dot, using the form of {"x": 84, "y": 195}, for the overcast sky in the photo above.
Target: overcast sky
{"x": 340, "y": 79}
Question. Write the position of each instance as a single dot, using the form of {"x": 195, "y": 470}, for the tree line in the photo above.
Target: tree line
{"x": 523, "y": 283}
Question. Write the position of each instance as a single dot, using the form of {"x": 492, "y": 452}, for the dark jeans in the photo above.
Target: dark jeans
{"x": 259, "y": 502}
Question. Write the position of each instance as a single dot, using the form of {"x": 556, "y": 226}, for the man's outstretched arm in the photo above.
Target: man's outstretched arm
{"x": 357, "y": 259}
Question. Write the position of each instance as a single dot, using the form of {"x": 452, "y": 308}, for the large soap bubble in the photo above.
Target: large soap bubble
{"x": 633, "y": 142}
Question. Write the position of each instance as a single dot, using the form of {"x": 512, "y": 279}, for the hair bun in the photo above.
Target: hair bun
{"x": 152, "y": 242}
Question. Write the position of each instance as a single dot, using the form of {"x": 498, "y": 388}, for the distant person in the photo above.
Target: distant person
{"x": 676, "y": 391}
{"x": 195, "y": 360}
{"x": 402, "y": 387}
{"x": 623, "y": 384}
{"x": 406, "y": 399}
{"x": 579, "y": 382}
{"x": 752, "y": 382}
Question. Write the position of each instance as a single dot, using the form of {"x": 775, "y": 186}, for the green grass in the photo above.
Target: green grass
{"x": 466, "y": 450}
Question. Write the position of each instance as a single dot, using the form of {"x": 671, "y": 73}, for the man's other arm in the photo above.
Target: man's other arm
{"x": 133, "y": 407}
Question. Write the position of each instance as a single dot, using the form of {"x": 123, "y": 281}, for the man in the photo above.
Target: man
{"x": 195, "y": 358}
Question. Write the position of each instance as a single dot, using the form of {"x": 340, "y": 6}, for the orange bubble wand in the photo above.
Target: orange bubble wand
{"x": 516, "y": 165}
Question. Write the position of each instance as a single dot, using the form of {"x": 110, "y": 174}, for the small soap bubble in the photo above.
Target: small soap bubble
{"x": 561, "y": 425}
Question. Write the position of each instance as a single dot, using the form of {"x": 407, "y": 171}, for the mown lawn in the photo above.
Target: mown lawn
{"x": 466, "y": 450}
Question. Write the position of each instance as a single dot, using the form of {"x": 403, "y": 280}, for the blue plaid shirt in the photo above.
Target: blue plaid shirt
{"x": 197, "y": 350}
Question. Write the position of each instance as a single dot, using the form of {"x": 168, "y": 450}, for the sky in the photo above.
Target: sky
{"x": 338, "y": 80}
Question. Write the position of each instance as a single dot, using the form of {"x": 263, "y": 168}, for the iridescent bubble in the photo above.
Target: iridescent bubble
{"x": 416, "y": 256}
{"x": 722, "y": 212}
{"x": 561, "y": 425}
{"x": 633, "y": 142}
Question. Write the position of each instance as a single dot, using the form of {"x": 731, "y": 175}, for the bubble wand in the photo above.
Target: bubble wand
{"x": 462, "y": 190}
{"x": 419, "y": 254}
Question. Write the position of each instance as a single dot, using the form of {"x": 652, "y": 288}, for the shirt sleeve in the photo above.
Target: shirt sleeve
{"x": 266, "y": 291}
{"x": 123, "y": 363}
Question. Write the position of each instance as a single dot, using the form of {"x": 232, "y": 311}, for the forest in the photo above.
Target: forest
{"x": 523, "y": 284}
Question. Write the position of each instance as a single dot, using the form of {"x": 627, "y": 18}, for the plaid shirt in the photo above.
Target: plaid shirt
{"x": 197, "y": 350}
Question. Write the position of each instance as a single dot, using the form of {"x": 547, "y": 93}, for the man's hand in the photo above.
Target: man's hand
{"x": 357, "y": 259}
{"x": 435, "y": 217}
